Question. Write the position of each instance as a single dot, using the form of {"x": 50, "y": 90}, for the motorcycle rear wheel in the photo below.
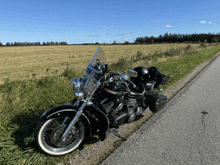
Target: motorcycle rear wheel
{"x": 48, "y": 136}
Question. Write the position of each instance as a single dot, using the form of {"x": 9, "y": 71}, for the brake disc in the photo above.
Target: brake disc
{"x": 57, "y": 133}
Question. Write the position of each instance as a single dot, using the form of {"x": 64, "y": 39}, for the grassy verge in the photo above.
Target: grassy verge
{"x": 24, "y": 101}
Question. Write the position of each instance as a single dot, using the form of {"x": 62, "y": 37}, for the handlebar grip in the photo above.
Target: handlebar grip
{"x": 134, "y": 86}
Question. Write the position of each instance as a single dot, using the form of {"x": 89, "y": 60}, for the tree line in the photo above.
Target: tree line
{"x": 179, "y": 38}
{"x": 166, "y": 38}
{"x": 33, "y": 43}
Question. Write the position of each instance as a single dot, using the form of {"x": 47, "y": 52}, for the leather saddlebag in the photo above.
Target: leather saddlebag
{"x": 157, "y": 102}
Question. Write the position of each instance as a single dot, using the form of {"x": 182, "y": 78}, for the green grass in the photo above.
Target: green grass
{"x": 177, "y": 68}
{"x": 23, "y": 101}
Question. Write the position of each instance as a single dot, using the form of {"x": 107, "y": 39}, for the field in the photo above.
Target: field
{"x": 36, "y": 85}
{"x": 25, "y": 62}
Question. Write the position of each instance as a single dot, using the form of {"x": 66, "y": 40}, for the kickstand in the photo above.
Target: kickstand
{"x": 115, "y": 132}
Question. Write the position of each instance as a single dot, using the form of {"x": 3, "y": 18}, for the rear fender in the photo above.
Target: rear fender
{"x": 68, "y": 110}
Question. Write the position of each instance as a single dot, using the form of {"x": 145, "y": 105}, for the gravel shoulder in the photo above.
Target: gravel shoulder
{"x": 97, "y": 151}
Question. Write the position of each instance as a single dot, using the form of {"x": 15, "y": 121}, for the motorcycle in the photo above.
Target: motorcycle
{"x": 104, "y": 101}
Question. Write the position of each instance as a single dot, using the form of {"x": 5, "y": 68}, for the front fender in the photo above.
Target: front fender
{"x": 67, "y": 109}
{"x": 55, "y": 111}
{"x": 103, "y": 122}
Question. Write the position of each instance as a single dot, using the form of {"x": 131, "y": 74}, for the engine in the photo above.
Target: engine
{"x": 118, "y": 106}
{"x": 111, "y": 103}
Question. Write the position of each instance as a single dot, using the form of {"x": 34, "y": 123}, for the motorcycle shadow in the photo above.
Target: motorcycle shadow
{"x": 138, "y": 117}
{"x": 24, "y": 134}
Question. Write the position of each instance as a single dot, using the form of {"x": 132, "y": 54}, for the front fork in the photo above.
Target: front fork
{"x": 79, "y": 113}
{"x": 73, "y": 122}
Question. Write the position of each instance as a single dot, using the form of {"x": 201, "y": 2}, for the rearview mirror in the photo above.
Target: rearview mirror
{"x": 132, "y": 73}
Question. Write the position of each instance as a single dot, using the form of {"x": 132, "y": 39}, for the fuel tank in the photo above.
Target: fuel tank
{"x": 115, "y": 89}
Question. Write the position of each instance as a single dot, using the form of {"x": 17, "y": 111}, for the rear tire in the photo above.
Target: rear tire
{"x": 48, "y": 137}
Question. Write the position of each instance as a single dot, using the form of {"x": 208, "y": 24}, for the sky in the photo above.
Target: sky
{"x": 85, "y": 21}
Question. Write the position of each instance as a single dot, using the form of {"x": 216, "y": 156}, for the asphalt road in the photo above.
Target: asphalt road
{"x": 186, "y": 131}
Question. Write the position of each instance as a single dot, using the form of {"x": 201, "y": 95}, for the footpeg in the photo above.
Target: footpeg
{"x": 115, "y": 132}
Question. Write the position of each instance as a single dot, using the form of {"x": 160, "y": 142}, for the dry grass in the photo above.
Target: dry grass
{"x": 37, "y": 61}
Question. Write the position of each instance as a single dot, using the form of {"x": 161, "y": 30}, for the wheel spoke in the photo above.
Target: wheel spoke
{"x": 52, "y": 132}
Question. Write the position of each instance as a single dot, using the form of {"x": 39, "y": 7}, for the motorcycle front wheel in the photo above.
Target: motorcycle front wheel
{"x": 48, "y": 135}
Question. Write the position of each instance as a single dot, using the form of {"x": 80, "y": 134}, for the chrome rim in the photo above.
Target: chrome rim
{"x": 50, "y": 137}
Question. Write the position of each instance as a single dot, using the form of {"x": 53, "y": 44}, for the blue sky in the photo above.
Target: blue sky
{"x": 104, "y": 21}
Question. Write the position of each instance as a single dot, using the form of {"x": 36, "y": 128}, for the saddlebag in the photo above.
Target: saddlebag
{"x": 157, "y": 101}
{"x": 162, "y": 78}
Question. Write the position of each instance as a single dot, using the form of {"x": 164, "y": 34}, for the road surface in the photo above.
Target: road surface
{"x": 186, "y": 131}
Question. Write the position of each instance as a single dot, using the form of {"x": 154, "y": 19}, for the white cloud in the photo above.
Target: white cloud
{"x": 167, "y": 26}
{"x": 202, "y": 22}
{"x": 155, "y": 21}
{"x": 94, "y": 35}
{"x": 209, "y": 22}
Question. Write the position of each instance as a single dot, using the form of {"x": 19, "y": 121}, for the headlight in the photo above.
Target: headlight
{"x": 76, "y": 88}
{"x": 79, "y": 95}
{"x": 76, "y": 83}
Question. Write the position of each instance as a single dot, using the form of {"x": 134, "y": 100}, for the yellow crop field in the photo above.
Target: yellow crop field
{"x": 27, "y": 61}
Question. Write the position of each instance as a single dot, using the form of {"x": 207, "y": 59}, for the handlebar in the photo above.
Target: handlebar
{"x": 134, "y": 86}
{"x": 124, "y": 80}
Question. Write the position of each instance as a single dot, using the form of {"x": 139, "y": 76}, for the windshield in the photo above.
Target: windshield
{"x": 98, "y": 56}
{"x": 94, "y": 67}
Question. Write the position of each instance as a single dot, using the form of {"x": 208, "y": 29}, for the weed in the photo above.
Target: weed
{"x": 139, "y": 55}
{"x": 68, "y": 73}
{"x": 33, "y": 75}
{"x": 202, "y": 45}
{"x": 187, "y": 48}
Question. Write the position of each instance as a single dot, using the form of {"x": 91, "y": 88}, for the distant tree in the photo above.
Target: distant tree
{"x": 44, "y": 43}
{"x": 160, "y": 38}
{"x": 152, "y": 41}
{"x": 126, "y": 43}
{"x": 97, "y": 43}
{"x": 8, "y": 44}
{"x": 137, "y": 42}
{"x": 63, "y": 43}
{"x": 114, "y": 43}
{"x": 1, "y": 44}
{"x": 180, "y": 38}
{"x": 56, "y": 43}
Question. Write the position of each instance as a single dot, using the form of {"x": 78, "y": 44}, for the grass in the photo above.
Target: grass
{"x": 23, "y": 101}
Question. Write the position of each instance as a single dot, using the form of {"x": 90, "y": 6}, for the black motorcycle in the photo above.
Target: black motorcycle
{"x": 104, "y": 101}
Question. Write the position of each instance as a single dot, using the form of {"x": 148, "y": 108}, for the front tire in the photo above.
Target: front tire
{"x": 48, "y": 136}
